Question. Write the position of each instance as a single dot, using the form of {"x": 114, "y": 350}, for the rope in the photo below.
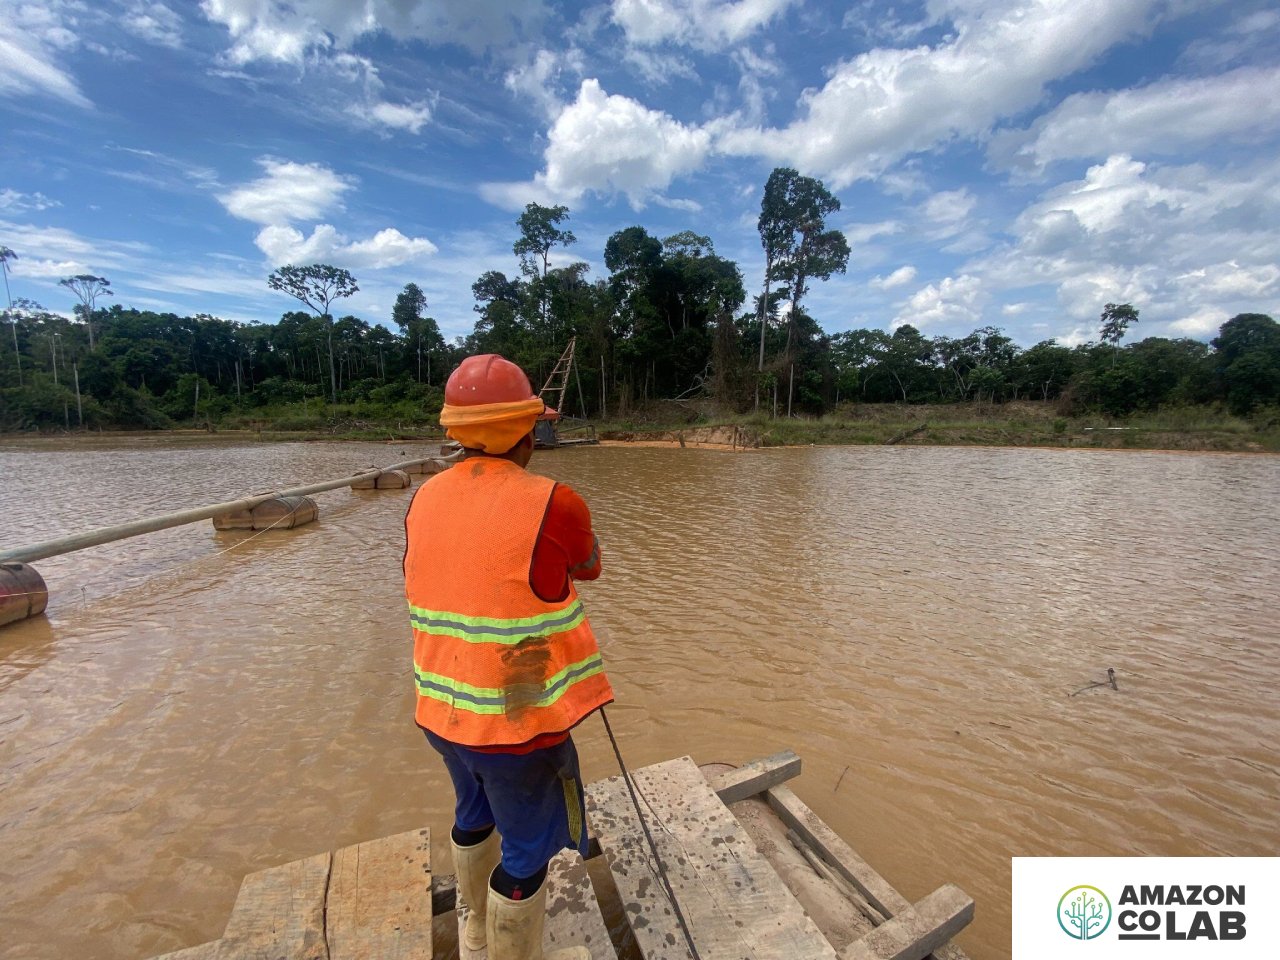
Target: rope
{"x": 662, "y": 870}
{"x": 170, "y": 571}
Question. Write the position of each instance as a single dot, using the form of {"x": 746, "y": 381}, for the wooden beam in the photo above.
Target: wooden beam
{"x": 733, "y": 901}
{"x": 917, "y": 930}
{"x": 755, "y": 777}
{"x": 844, "y": 859}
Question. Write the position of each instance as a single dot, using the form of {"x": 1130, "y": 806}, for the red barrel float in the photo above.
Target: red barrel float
{"x": 22, "y": 592}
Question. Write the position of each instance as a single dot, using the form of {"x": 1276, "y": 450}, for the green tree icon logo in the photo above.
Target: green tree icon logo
{"x": 1084, "y": 912}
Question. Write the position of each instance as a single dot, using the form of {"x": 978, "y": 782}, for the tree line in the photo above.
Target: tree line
{"x": 671, "y": 320}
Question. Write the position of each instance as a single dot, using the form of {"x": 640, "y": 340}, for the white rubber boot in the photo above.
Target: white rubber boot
{"x": 515, "y": 929}
{"x": 474, "y": 864}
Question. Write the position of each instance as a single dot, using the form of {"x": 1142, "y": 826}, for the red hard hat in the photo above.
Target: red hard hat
{"x": 487, "y": 378}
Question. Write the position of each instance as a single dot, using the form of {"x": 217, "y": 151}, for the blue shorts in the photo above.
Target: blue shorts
{"x": 534, "y": 799}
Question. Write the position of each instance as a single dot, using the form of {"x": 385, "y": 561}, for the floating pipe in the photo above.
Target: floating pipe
{"x": 93, "y": 538}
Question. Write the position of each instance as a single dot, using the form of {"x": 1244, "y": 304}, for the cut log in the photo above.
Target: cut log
{"x": 917, "y": 930}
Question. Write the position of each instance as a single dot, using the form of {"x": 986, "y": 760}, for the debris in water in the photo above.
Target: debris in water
{"x": 1109, "y": 682}
{"x": 839, "y": 781}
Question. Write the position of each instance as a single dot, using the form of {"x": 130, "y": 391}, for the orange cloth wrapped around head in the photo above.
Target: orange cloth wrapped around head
{"x": 489, "y": 404}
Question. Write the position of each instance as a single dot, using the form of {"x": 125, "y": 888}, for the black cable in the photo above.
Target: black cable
{"x": 662, "y": 870}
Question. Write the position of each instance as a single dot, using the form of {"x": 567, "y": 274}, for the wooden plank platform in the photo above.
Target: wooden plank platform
{"x": 735, "y": 904}
{"x": 376, "y": 899}
{"x": 366, "y": 902}
{"x": 573, "y": 913}
{"x": 828, "y": 845}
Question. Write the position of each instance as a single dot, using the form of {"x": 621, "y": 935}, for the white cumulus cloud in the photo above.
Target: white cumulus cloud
{"x": 14, "y": 201}
{"x": 289, "y": 191}
{"x": 398, "y": 116}
{"x": 1179, "y": 242}
{"x": 609, "y": 144}
{"x": 1163, "y": 118}
{"x": 287, "y": 30}
{"x": 702, "y": 24}
{"x": 387, "y": 248}
{"x": 953, "y": 302}
{"x": 899, "y": 278}
{"x": 153, "y": 22}
{"x": 889, "y": 103}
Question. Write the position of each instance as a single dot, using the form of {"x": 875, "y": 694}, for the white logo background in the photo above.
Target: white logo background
{"x": 1040, "y": 882}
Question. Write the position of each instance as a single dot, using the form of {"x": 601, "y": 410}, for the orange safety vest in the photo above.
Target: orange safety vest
{"x": 495, "y": 664}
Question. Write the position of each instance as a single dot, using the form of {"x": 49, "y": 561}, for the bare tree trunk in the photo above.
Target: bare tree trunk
{"x": 333, "y": 376}
{"x": 791, "y": 383}
{"x": 764, "y": 320}
{"x": 75, "y": 370}
{"x": 18, "y": 356}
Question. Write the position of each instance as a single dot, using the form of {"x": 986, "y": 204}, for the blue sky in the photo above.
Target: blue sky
{"x": 1009, "y": 162}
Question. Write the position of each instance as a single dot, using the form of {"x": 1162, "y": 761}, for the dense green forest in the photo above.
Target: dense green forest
{"x": 671, "y": 320}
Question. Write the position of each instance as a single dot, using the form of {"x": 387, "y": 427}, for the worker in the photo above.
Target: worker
{"x": 505, "y": 659}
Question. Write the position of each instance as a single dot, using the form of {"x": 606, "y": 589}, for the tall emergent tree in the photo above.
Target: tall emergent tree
{"x": 797, "y": 244}
{"x": 317, "y": 285}
{"x": 774, "y": 236}
{"x": 87, "y": 289}
{"x": 1116, "y": 318}
{"x": 539, "y": 233}
{"x": 418, "y": 329}
{"x": 6, "y": 255}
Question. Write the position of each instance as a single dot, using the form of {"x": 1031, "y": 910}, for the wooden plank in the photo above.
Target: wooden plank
{"x": 755, "y": 777}
{"x": 918, "y": 929}
{"x": 735, "y": 905}
{"x": 827, "y": 844}
{"x": 573, "y": 913}
{"x": 379, "y": 902}
{"x": 279, "y": 913}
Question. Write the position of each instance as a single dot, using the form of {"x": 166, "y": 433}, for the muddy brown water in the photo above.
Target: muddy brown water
{"x": 199, "y": 705}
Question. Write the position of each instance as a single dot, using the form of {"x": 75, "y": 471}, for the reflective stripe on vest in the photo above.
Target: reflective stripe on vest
{"x": 494, "y": 630}
{"x": 494, "y": 664}
{"x": 494, "y": 700}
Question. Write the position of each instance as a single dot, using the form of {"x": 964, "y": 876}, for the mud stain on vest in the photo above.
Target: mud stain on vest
{"x": 526, "y": 665}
